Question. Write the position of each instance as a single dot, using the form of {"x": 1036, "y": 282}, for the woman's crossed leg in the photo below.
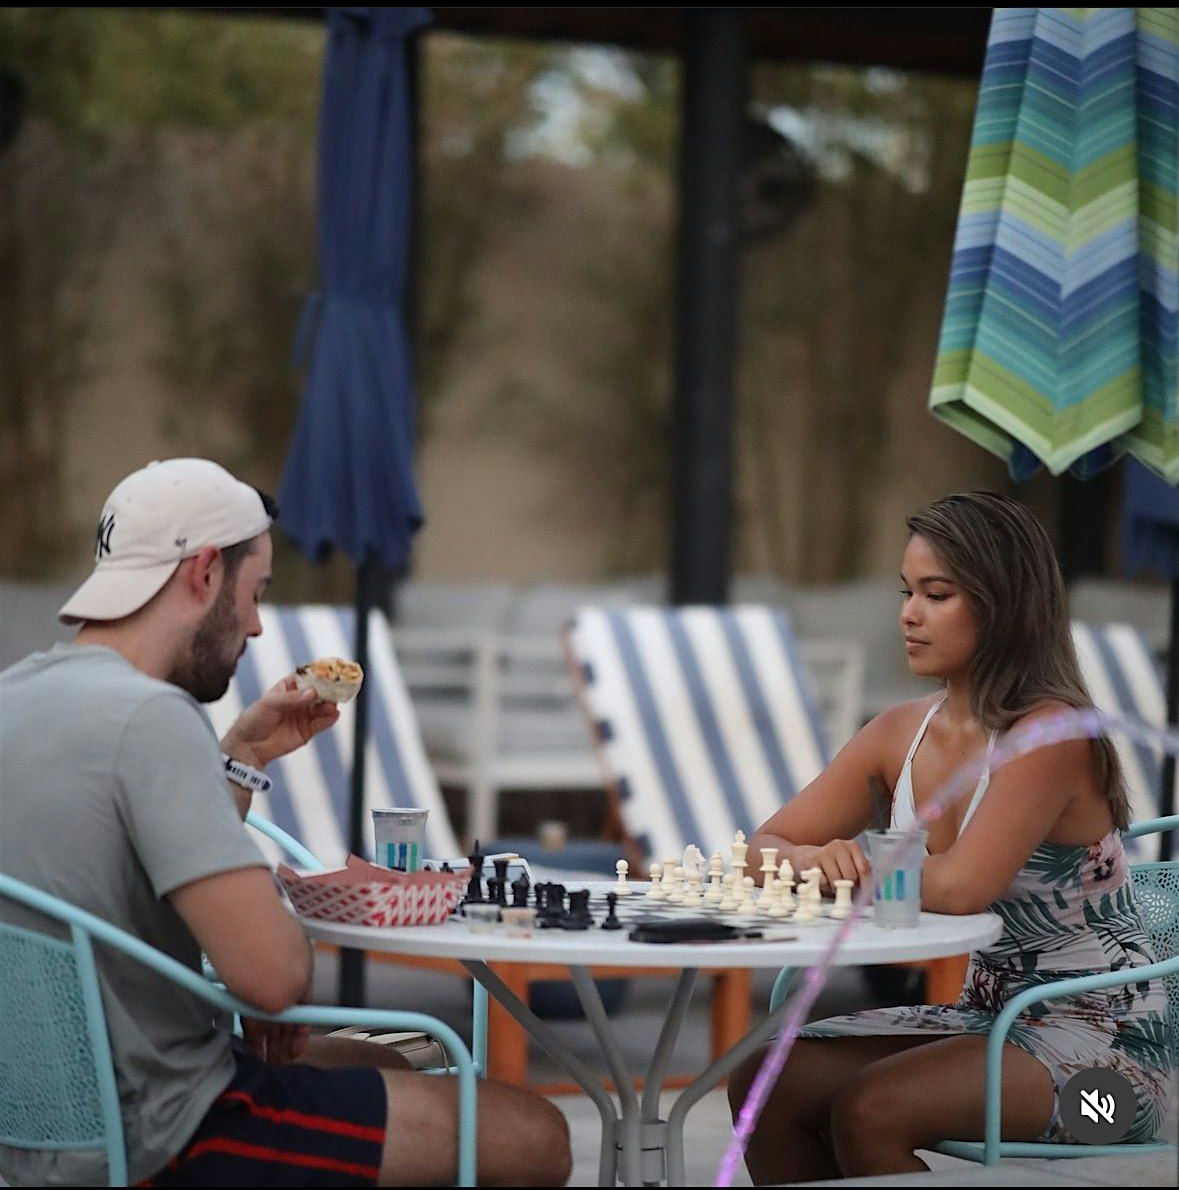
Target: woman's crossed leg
{"x": 857, "y": 1106}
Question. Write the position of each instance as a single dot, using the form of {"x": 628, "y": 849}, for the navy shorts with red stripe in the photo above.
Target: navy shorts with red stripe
{"x": 286, "y": 1126}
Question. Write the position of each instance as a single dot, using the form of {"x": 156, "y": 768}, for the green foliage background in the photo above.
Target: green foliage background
{"x": 204, "y": 126}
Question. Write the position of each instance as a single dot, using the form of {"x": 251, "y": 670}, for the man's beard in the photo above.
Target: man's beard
{"x": 205, "y": 673}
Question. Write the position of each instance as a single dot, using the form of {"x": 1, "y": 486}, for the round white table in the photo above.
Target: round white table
{"x": 636, "y": 1142}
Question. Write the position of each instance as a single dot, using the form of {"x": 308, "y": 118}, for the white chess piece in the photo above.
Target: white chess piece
{"x": 769, "y": 864}
{"x": 786, "y": 885}
{"x": 693, "y": 895}
{"x": 805, "y": 911}
{"x": 622, "y": 888}
{"x": 773, "y": 893}
{"x": 843, "y": 899}
{"x": 740, "y": 847}
{"x": 693, "y": 860}
{"x": 670, "y": 863}
{"x": 655, "y": 892}
{"x": 729, "y": 900}
{"x": 748, "y": 904}
{"x": 716, "y": 874}
{"x": 811, "y": 887}
{"x": 676, "y": 896}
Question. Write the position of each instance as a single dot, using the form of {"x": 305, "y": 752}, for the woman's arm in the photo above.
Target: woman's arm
{"x": 817, "y": 827}
{"x": 1024, "y": 800}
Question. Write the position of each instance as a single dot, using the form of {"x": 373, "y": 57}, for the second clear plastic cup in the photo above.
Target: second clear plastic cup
{"x": 400, "y": 837}
{"x": 897, "y": 859}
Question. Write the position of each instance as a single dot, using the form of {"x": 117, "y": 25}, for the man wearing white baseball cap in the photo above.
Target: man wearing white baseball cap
{"x": 115, "y": 796}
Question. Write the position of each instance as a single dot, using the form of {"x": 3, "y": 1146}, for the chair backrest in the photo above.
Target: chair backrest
{"x": 1124, "y": 680}
{"x": 1156, "y": 891}
{"x": 311, "y": 786}
{"x": 836, "y": 672}
{"x": 705, "y": 716}
{"x": 57, "y": 1087}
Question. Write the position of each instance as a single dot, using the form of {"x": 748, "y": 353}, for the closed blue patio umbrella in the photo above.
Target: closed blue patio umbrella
{"x": 348, "y": 478}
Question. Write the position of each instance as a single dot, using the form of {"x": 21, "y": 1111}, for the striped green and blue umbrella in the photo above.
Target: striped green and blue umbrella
{"x": 1058, "y": 344}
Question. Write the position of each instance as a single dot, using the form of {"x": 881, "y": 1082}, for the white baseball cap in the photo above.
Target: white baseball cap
{"x": 151, "y": 522}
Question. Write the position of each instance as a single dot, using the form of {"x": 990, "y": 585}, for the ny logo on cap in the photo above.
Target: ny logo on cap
{"x": 102, "y": 539}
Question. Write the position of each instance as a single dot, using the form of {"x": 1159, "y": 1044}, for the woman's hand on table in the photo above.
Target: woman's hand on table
{"x": 841, "y": 859}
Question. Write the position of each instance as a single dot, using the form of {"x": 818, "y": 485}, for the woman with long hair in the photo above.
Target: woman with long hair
{"x": 984, "y": 614}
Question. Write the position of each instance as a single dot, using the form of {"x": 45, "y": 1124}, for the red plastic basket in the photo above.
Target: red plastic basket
{"x": 363, "y": 894}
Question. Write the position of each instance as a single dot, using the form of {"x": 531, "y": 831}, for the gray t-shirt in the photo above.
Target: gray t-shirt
{"x": 112, "y": 795}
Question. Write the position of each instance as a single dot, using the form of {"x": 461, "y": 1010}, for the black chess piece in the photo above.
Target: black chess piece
{"x": 520, "y": 891}
{"x": 579, "y": 916}
{"x": 501, "y": 884}
{"x": 611, "y": 922}
{"x": 550, "y": 905}
{"x": 495, "y": 891}
{"x": 475, "y": 884}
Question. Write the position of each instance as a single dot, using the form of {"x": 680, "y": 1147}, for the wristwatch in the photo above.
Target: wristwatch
{"x": 246, "y": 775}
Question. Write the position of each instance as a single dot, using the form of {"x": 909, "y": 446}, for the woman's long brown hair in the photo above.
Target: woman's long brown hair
{"x": 1002, "y": 558}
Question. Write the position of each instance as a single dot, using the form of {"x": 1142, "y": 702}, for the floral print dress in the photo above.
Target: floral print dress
{"x": 1069, "y": 912}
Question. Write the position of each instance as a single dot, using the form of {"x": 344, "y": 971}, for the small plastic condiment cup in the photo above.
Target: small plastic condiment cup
{"x": 518, "y": 922}
{"x": 481, "y": 919}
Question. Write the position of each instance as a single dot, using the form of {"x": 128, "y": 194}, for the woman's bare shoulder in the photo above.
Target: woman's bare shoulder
{"x": 903, "y": 716}
{"x": 891, "y": 732}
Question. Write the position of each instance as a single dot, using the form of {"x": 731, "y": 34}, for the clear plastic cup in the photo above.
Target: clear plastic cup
{"x": 897, "y": 859}
{"x": 400, "y": 838}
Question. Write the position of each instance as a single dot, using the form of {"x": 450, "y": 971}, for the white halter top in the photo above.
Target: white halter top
{"x": 904, "y": 808}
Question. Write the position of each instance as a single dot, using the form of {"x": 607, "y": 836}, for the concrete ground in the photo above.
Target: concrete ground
{"x": 709, "y": 1124}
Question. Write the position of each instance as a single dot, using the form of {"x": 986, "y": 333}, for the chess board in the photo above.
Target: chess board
{"x": 636, "y": 908}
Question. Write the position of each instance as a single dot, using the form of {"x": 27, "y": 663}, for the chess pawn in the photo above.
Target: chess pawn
{"x": 729, "y": 899}
{"x": 655, "y": 892}
{"x": 716, "y": 875}
{"x": 805, "y": 911}
{"x": 843, "y": 899}
{"x": 676, "y": 896}
{"x": 748, "y": 904}
{"x": 773, "y": 894}
{"x": 692, "y": 894}
{"x": 622, "y": 889}
{"x": 786, "y": 885}
{"x": 670, "y": 883}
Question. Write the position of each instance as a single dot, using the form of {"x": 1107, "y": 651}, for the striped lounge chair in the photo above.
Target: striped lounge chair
{"x": 1125, "y": 680}
{"x": 706, "y": 720}
{"x": 311, "y": 786}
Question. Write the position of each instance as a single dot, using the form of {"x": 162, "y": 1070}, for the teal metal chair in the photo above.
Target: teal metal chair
{"x": 306, "y": 859}
{"x": 57, "y": 1081}
{"x": 1156, "y": 888}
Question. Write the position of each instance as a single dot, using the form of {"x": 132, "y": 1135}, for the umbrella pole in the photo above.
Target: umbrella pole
{"x": 351, "y": 990}
{"x": 1167, "y": 793}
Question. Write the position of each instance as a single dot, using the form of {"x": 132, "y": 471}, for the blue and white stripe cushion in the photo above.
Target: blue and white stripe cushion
{"x": 1124, "y": 680}
{"x": 705, "y": 717}
{"x": 311, "y": 785}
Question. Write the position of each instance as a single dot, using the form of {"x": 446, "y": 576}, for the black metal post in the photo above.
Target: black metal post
{"x": 713, "y": 109}
{"x": 351, "y": 985}
{"x": 1167, "y": 793}
{"x": 1083, "y": 508}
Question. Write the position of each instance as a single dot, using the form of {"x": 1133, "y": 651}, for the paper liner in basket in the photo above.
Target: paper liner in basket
{"x": 363, "y": 894}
